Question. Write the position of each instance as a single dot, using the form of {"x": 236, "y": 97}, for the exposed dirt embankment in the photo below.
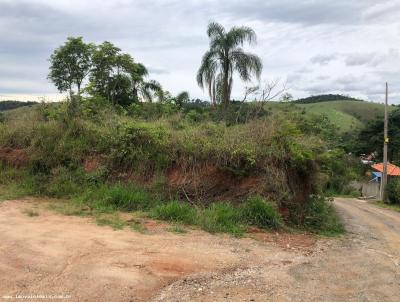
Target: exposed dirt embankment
{"x": 14, "y": 157}
{"x": 207, "y": 182}
{"x": 203, "y": 182}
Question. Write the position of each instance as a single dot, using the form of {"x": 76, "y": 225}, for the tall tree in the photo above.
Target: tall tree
{"x": 370, "y": 138}
{"x": 70, "y": 64}
{"x": 101, "y": 77}
{"x": 118, "y": 78}
{"x": 224, "y": 57}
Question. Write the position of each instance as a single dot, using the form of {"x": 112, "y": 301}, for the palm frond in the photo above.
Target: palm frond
{"x": 215, "y": 30}
{"x": 239, "y": 35}
{"x": 207, "y": 68}
{"x": 151, "y": 88}
{"x": 141, "y": 70}
{"x": 246, "y": 64}
{"x": 153, "y": 85}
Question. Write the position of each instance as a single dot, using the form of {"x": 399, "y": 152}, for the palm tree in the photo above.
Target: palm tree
{"x": 224, "y": 57}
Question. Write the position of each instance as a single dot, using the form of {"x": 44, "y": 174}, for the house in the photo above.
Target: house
{"x": 392, "y": 170}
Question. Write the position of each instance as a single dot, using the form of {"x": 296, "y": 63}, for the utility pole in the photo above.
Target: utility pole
{"x": 385, "y": 149}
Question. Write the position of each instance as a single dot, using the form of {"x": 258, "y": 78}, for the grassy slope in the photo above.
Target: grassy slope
{"x": 346, "y": 115}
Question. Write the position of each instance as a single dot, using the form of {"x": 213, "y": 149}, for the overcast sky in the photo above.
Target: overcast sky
{"x": 317, "y": 46}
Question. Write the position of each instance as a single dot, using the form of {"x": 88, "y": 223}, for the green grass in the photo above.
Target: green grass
{"x": 175, "y": 211}
{"x": 346, "y": 115}
{"x": 320, "y": 217}
{"x": 118, "y": 197}
{"x": 256, "y": 211}
{"x": 105, "y": 201}
{"x": 222, "y": 218}
{"x": 393, "y": 207}
{"x": 11, "y": 191}
{"x": 13, "y": 183}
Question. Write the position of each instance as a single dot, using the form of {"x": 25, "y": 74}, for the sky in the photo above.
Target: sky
{"x": 350, "y": 47}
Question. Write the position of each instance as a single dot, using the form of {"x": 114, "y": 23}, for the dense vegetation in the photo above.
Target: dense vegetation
{"x": 166, "y": 159}
{"x": 370, "y": 138}
{"x": 325, "y": 98}
{"x": 222, "y": 165}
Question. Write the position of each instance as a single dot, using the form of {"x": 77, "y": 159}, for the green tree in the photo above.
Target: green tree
{"x": 103, "y": 71}
{"x": 286, "y": 97}
{"x": 141, "y": 88}
{"x": 182, "y": 98}
{"x": 224, "y": 57}
{"x": 118, "y": 78}
{"x": 370, "y": 138}
{"x": 70, "y": 64}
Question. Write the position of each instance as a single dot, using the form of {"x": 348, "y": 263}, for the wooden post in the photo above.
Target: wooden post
{"x": 385, "y": 149}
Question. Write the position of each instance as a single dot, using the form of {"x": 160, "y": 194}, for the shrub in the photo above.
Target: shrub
{"x": 118, "y": 197}
{"x": 10, "y": 174}
{"x": 141, "y": 146}
{"x": 64, "y": 182}
{"x": 256, "y": 211}
{"x": 194, "y": 116}
{"x": 320, "y": 216}
{"x": 175, "y": 211}
{"x": 222, "y": 218}
{"x": 393, "y": 190}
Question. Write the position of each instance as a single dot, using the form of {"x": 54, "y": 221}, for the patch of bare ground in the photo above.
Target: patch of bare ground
{"x": 50, "y": 253}
{"x": 54, "y": 254}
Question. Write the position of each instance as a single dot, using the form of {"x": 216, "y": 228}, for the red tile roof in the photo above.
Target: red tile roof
{"x": 392, "y": 170}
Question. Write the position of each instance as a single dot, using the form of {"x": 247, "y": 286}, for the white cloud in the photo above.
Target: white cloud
{"x": 317, "y": 45}
{"x": 323, "y": 59}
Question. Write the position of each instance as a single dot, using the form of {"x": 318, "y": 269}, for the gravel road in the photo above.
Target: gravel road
{"x": 51, "y": 254}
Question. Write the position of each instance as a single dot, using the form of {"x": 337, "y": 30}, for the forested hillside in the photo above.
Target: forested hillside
{"x": 325, "y": 98}
{"x": 8, "y": 105}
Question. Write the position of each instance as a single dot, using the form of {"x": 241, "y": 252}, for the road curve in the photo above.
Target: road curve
{"x": 363, "y": 265}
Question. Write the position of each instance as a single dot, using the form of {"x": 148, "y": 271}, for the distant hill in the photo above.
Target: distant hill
{"x": 325, "y": 98}
{"x": 8, "y": 105}
{"x": 346, "y": 115}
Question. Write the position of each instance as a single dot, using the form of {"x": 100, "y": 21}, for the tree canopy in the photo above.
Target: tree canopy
{"x": 112, "y": 74}
{"x": 370, "y": 138}
{"x": 225, "y": 57}
{"x": 70, "y": 64}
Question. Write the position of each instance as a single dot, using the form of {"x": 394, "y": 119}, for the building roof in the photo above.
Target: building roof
{"x": 392, "y": 170}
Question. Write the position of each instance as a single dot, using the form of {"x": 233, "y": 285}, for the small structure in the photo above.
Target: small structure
{"x": 371, "y": 188}
{"x": 392, "y": 170}
{"x": 376, "y": 177}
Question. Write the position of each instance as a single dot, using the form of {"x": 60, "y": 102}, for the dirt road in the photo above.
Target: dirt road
{"x": 51, "y": 254}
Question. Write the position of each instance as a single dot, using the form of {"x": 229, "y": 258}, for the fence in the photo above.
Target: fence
{"x": 368, "y": 189}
